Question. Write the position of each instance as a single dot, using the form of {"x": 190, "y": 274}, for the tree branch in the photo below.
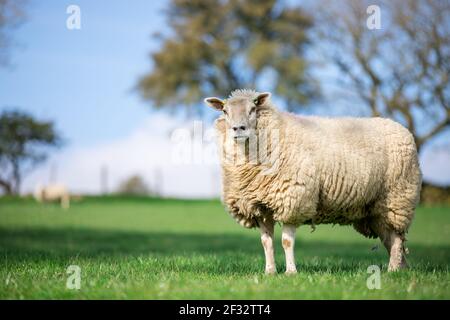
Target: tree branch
{"x": 436, "y": 130}
{"x": 6, "y": 186}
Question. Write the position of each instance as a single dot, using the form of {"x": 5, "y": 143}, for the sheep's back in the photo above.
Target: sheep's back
{"x": 54, "y": 192}
{"x": 354, "y": 160}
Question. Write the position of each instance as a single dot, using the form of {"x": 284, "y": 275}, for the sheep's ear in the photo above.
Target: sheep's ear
{"x": 262, "y": 98}
{"x": 215, "y": 103}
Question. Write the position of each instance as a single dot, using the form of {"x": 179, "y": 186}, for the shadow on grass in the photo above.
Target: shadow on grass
{"x": 31, "y": 245}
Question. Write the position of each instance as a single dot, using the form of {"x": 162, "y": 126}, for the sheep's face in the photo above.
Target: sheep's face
{"x": 240, "y": 113}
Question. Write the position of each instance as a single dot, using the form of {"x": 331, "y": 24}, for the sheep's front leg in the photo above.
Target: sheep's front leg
{"x": 288, "y": 241}
{"x": 266, "y": 227}
{"x": 394, "y": 245}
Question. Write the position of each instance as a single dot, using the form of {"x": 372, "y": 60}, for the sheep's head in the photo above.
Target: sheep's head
{"x": 240, "y": 111}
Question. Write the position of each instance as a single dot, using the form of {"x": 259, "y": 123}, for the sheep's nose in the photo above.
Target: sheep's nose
{"x": 239, "y": 128}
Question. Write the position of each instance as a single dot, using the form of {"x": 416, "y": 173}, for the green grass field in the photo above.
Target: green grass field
{"x": 173, "y": 249}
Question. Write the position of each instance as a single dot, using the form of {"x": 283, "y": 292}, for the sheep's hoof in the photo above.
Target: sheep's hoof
{"x": 398, "y": 267}
{"x": 290, "y": 272}
{"x": 393, "y": 268}
{"x": 270, "y": 271}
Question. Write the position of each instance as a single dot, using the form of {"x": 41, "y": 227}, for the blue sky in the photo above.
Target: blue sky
{"x": 84, "y": 79}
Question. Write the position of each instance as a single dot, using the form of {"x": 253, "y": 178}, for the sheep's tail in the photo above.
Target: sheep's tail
{"x": 65, "y": 201}
{"x": 313, "y": 226}
{"x": 244, "y": 221}
{"x": 405, "y": 248}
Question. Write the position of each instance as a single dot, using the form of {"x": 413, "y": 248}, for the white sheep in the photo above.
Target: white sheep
{"x": 53, "y": 192}
{"x": 311, "y": 170}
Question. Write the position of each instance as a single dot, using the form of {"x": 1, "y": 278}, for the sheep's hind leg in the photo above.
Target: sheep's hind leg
{"x": 393, "y": 243}
{"x": 266, "y": 226}
{"x": 288, "y": 241}
{"x": 65, "y": 202}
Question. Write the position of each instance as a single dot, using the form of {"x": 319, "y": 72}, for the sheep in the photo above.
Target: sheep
{"x": 313, "y": 170}
{"x": 53, "y": 192}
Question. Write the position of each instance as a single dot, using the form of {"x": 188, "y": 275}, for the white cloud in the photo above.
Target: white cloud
{"x": 149, "y": 151}
{"x": 435, "y": 163}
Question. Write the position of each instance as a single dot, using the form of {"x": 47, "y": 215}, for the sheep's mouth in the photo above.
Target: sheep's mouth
{"x": 240, "y": 138}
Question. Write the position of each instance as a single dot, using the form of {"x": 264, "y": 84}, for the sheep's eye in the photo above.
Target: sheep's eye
{"x": 255, "y": 101}
{"x": 225, "y": 112}
{"x": 253, "y": 109}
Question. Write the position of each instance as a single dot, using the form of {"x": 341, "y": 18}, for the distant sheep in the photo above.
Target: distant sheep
{"x": 358, "y": 171}
{"x": 53, "y": 192}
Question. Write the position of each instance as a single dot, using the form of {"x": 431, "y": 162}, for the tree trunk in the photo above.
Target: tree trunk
{"x": 6, "y": 186}
{"x": 419, "y": 144}
{"x": 16, "y": 178}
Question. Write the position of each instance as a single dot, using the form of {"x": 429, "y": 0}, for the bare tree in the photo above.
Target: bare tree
{"x": 11, "y": 16}
{"x": 399, "y": 71}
